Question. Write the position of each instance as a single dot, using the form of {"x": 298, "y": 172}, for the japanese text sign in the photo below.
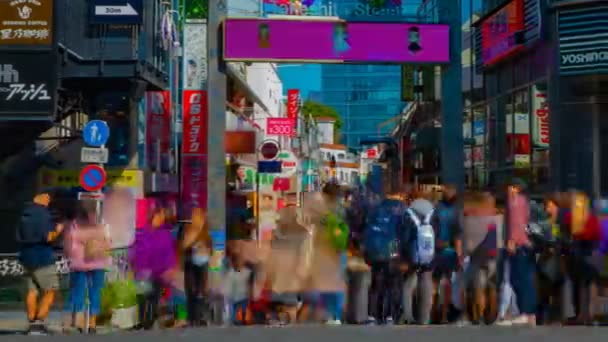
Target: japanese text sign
{"x": 293, "y": 98}
{"x": 280, "y": 126}
{"x": 195, "y": 122}
{"x": 26, "y": 22}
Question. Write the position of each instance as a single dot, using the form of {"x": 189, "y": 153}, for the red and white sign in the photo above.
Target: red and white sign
{"x": 540, "y": 123}
{"x": 293, "y": 103}
{"x": 195, "y": 122}
{"x": 280, "y": 126}
{"x": 371, "y": 153}
{"x": 194, "y": 148}
{"x": 158, "y": 126}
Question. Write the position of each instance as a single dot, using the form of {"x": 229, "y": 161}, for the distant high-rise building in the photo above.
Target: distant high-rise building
{"x": 366, "y": 95}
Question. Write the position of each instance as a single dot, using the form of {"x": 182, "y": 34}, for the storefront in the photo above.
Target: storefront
{"x": 505, "y": 128}
{"x": 578, "y": 93}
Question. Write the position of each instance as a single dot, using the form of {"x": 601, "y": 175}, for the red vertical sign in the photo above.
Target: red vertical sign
{"x": 195, "y": 122}
{"x": 194, "y": 151}
{"x": 158, "y": 128}
{"x": 293, "y": 106}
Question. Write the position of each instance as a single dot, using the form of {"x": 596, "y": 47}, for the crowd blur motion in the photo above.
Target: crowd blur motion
{"x": 341, "y": 256}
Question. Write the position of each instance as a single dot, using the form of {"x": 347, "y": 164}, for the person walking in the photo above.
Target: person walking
{"x": 418, "y": 244}
{"x": 154, "y": 262}
{"x": 36, "y": 234}
{"x": 521, "y": 256}
{"x": 449, "y": 257}
{"x": 86, "y": 245}
{"x": 197, "y": 247}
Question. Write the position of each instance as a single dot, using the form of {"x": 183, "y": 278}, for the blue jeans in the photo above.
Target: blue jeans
{"x": 334, "y": 304}
{"x": 83, "y": 283}
{"x": 522, "y": 280}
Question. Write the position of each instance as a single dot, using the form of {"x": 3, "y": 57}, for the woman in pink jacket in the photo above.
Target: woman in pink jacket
{"x": 86, "y": 246}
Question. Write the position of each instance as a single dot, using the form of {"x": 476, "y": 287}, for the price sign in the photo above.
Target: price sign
{"x": 280, "y": 126}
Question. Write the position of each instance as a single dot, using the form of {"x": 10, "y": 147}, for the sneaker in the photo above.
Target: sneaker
{"x": 389, "y": 321}
{"x": 370, "y": 321}
{"x": 520, "y": 320}
{"x": 37, "y": 328}
{"x": 334, "y": 322}
{"x": 504, "y": 322}
{"x": 462, "y": 323}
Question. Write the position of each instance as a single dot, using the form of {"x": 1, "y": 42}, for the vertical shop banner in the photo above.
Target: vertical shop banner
{"x": 293, "y": 106}
{"x": 540, "y": 114}
{"x": 195, "y": 122}
{"x": 194, "y": 183}
{"x": 195, "y": 56}
{"x": 158, "y": 129}
{"x": 194, "y": 151}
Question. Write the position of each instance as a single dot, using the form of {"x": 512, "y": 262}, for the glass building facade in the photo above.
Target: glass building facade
{"x": 504, "y": 106}
{"x": 366, "y": 96}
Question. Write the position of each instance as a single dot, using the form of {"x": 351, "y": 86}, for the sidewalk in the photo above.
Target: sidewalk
{"x": 15, "y": 322}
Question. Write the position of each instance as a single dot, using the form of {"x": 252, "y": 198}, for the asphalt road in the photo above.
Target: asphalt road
{"x": 352, "y": 334}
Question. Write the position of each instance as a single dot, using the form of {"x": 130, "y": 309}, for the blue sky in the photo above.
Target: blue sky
{"x": 306, "y": 77}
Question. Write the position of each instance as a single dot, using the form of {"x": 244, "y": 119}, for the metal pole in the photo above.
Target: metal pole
{"x": 452, "y": 144}
{"x": 216, "y": 162}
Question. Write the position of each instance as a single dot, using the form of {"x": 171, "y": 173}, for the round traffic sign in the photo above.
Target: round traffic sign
{"x": 96, "y": 133}
{"x": 92, "y": 178}
{"x": 270, "y": 150}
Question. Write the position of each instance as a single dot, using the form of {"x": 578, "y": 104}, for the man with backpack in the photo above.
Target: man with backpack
{"x": 36, "y": 235}
{"x": 380, "y": 242}
{"x": 418, "y": 253}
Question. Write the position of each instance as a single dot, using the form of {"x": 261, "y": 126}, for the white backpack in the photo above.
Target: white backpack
{"x": 424, "y": 248}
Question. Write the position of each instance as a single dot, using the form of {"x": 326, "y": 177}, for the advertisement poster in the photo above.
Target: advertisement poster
{"x": 158, "y": 129}
{"x": 283, "y": 40}
{"x": 195, "y": 56}
{"x": 499, "y": 32}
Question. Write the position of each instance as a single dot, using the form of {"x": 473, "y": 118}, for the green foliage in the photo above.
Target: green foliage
{"x": 319, "y": 110}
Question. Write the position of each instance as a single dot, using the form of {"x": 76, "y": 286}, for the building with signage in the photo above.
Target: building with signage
{"x": 534, "y": 88}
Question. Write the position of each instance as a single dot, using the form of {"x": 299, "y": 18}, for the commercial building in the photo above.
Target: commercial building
{"x": 364, "y": 95}
{"x": 534, "y": 91}
{"x": 87, "y": 67}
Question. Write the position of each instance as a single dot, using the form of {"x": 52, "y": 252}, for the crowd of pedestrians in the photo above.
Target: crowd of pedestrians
{"x": 343, "y": 257}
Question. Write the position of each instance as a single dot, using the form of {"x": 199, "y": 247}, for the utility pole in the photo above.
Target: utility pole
{"x": 452, "y": 144}
{"x": 216, "y": 179}
{"x": 216, "y": 156}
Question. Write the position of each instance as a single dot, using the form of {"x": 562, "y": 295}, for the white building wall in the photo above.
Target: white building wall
{"x": 326, "y": 132}
{"x": 265, "y": 81}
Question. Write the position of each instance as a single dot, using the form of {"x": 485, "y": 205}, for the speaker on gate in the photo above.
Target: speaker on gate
{"x": 138, "y": 89}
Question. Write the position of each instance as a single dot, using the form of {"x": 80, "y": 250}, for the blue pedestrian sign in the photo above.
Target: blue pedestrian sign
{"x": 96, "y": 133}
{"x": 127, "y": 12}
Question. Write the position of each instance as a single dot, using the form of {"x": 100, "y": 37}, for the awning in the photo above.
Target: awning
{"x": 242, "y": 83}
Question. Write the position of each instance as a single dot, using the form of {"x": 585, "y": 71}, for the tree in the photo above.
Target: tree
{"x": 319, "y": 110}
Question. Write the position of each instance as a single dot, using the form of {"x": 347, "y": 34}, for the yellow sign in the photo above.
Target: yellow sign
{"x": 26, "y": 22}
{"x": 71, "y": 178}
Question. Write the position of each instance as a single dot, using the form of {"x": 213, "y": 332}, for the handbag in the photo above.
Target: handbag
{"x": 95, "y": 249}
